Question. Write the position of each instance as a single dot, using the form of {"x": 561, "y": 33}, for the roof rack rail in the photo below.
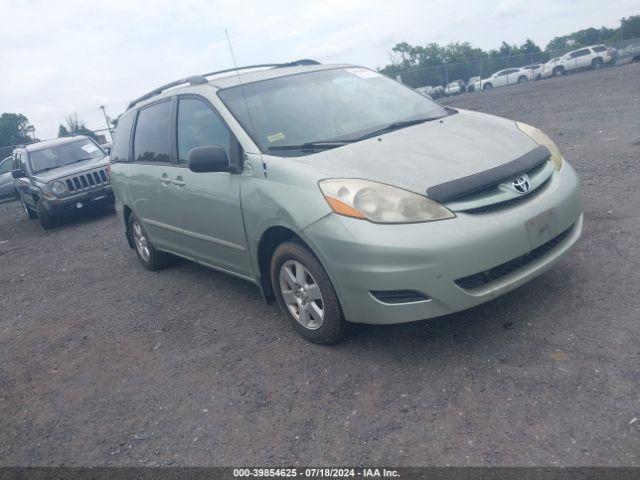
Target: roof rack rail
{"x": 299, "y": 63}
{"x": 247, "y": 67}
{"x": 193, "y": 80}
{"x": 200, "y": 79}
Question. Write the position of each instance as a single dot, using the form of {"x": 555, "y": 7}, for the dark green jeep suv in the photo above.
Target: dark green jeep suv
{"x": 61, "y": 175}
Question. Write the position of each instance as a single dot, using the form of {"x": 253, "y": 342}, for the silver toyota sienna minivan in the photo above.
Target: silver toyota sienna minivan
{"x": 342, "y": 194}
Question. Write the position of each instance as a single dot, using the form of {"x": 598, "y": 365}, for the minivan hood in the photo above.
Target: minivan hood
{"x": 418, "y": 157}
{"x": 50, "y": 175}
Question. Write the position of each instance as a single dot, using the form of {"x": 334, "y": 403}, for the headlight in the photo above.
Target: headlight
{"x": 58, "y": 188}
{"x": 380, "y": 203}
{"x": 541, "y": 138}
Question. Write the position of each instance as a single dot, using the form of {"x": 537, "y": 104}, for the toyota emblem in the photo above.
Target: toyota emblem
{"x": 521, "y": 184}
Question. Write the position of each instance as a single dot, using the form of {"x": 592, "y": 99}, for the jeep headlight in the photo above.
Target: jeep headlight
{"x": 58, "y": 188}
{"x": 541, "y": 138}
{"x": 380, "y": 203}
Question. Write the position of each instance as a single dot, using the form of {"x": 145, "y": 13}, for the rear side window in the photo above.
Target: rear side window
{"x": 198, "y": 126}
{"x": 151, "y": 141}
{"x": 120, "y": 150}
{"x": 580, "y": 53}
{"x": 599, "y": 48}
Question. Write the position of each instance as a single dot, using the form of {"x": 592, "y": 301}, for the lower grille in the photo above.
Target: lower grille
{"x": 481, "y": 279}
{"x": 86, "y": 180}
{"x": 399, "y": 296}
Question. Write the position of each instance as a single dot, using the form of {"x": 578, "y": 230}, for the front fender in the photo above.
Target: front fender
{"x": 280, "y": 193}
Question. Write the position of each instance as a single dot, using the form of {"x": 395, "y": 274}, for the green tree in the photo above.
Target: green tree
{"x": 529, "y": 47}
{"x": 629, "y": 28}
{"x": 74, "y": 126}
{"x": 15, "y": 129}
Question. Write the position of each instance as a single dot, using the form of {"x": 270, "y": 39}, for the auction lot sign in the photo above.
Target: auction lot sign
{"x": 223, "y": 473}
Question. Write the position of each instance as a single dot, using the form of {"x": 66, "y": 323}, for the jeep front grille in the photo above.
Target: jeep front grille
{"x": 87, "y": 180}
{"x": 481, "y": 279}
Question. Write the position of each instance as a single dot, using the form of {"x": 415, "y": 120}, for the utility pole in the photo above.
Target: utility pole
{"x": 446, "y": 72}
{"x": 106, "y": 119}
{"x": 621, "y": 24}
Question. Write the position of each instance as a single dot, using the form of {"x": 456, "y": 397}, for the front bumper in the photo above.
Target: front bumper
{"x": 94, "y": 198}
{"x": 361, "y": 257}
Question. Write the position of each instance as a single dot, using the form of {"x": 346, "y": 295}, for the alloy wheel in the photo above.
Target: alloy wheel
{"x": 301, "y": 294}
{"x": 140, "y": 239}
{"x": 24, "y": 205}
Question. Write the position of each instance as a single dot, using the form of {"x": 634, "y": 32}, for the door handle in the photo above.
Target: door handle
{"x": 179, "y": 182}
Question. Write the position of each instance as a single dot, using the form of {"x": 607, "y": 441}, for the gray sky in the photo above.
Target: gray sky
{"x": 70, "y": 56}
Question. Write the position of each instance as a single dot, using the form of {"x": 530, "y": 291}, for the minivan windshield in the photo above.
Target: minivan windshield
{"x": 65, "y": 154}
{"x": 329, "y": 107}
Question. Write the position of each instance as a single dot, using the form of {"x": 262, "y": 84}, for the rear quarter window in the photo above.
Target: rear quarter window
{"x": 120, "y": 149}
{"x": 599, "y": 49}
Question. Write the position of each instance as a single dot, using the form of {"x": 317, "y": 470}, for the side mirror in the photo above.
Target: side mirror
{"x": 211, "y": 158}
{"x": 18, "y": 173}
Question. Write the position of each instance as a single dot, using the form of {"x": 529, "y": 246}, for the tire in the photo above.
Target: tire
{"x": 305, "y": 294}
{"x": 487, "y": 86}
{"x": 149, "y": 257}
{"x": 522, "y": 79}
{"x": 597, "y": 63}
{"x": 47, "y": 221}
{"x": 30, "y": 213}
{"x": 558, "y": 71}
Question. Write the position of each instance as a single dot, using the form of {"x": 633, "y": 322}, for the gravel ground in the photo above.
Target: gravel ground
{"x": 105, "y": 363}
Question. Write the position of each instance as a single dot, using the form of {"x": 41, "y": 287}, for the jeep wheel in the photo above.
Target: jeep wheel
{"x": 558, "y": 71}
{"x": 47, "y": 221}
{"x": 305, "y": 294}
{"x": 30, "y": 213}
{"x": 149, "y": 257}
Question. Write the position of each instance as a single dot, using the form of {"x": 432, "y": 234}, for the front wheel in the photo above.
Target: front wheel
{"x": 522, "y": 79}
{"x": 47, "y": 221}
{"x": 305, "y": 294}
{"x": 30, "y": 213}
{"x": 558, "y": 71}
{"x": 487, "y": 86}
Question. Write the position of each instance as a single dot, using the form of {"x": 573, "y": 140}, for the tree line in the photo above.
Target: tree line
{"x": 433, "y": 64}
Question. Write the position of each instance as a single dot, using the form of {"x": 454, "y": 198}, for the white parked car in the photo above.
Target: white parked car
{"x": 426, "y": 91}
{"x": 595, "y": 56}
{"x": 472, "y": 83}
{"x": 508, "y": 76}
{"x": 536, "y": 69}
{"x": 454, "y": 88}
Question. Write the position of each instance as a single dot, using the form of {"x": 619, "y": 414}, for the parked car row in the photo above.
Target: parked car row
{"x": 325, "y": 186}
{"x": 596, "y": 56}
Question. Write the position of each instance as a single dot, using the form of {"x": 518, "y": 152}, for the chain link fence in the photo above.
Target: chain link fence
{"x": 485, "y": 67}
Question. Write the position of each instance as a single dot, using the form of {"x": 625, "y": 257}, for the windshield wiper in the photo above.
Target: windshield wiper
{"x": 320, "y": 145}
{"x": 60, "y": 166}
{"x": 396, "y": 126}
{"x": 81, "y": 160}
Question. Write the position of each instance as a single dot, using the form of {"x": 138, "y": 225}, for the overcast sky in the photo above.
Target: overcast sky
{"x": 59, "y": 57}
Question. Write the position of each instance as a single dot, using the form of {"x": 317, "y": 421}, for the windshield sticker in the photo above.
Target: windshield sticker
{"x": 89, "y": 148}
{"x": 363, "y": 72}
{"x": 275, "y": 137}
